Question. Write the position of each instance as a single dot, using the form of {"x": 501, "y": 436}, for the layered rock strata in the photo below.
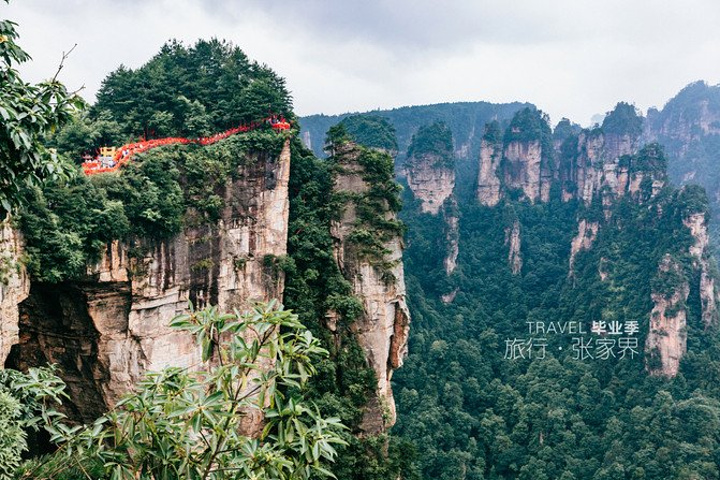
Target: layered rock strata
{"x": 383, "y": 327}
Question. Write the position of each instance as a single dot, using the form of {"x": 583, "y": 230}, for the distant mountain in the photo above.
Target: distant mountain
{"x": 688, "y": 126}
{"x": 466, "y": 120}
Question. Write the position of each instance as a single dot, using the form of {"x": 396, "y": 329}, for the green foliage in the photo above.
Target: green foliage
{"x": 67, "y": 224}
{"x": 474, "y": 414}
{"x": 687, "y": 129}
{"x": 317, "y": 289}
{"x": 529, "y": 124}
{"x": 83, "y": 135}
{"x": 26, "y": 402}
{"x": 650, "y": 159}
{"x": 12, "y": 436}
{"x": 190, "y": 91}
{"x": 189, "y": 424}
{"x": 375, "y": 224}
{"x": 27, "y": 113}
{"x": 435, "y": 140}
{"x": 565, "y": 129}
{"x": 66, "y": 227}
{"x": 371, "y": 131}
{"x": 623, "y": 120}
{"x": 493, "y": 133}
{"x": 464, "y": 119}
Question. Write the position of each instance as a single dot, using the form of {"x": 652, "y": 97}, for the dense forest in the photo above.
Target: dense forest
{"x": 67, "y": 224}
{"x": 514, "y": 370}
{"x": 476, "y": 410}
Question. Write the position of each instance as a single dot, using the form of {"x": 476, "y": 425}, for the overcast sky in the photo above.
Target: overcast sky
{"x": 571, "y": 58}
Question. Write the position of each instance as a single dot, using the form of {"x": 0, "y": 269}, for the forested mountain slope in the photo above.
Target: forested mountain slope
{"x": 564, "y": 314}
{"x": 101, "y": 264}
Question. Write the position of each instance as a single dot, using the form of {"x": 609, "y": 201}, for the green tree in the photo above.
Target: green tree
{"x": 26, "y": 401}
{"x": 194, "y": 424}
{"x": 27, "y": 113}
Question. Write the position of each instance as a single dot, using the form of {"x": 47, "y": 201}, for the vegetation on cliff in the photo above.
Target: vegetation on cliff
{"x": 433, "y": 140}
{"x": 191, "y": 91}
{"x": 372, "y": 131}
{"x": 318, "y": 291}
{"x": 172, "y": 188}
{"x": 189, "y": 424}
{"x": 67, "y": 224}
{"x": 474, "y": 412}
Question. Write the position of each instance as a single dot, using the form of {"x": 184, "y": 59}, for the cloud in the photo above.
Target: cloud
{"x": 569, "y": 57}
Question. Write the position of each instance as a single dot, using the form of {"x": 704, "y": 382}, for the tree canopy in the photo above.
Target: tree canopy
{"x": 28, "y": 112}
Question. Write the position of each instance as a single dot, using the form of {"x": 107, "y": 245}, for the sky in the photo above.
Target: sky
{"x": 571, "y": 58}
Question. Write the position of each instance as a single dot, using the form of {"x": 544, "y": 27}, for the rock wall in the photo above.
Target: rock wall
{"x": 601, "y": 165}
{"x": 488, "y": 189}
{"x": 667, "y": 337}
{"x": 14, "y": 286}
{"x": 590, "y": 166}
{"x": 430, "y": 181}
{"x": 522, "y": 168}
{"x": 452, "y": 239}
{"x": 513, "y": 241}
{"x": 697, "y": 224}
{"x": 383, "y": 328}
{"x": 587, "y": 231}
{"x": 107, "y": 330}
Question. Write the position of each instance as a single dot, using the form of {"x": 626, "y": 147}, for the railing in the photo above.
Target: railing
{"x": 125, "y": 153}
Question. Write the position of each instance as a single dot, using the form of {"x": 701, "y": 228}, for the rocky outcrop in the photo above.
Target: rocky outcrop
{"x": 587, "y": 231}
{"x": 382, "y": 329}
{"x": 488, "y": 189}
{"x": 431, "y": 181}
{"x": 512, "y": 239}
{"x": 598, "y": 164}
{"x": 697, "y": 224}
{"x": 523, "y": 160}
{"x": 14, "y": 286}
{"x": 452, "y": 238}
{"x": 667, "y": 338}
{"x": 107, "y": 330}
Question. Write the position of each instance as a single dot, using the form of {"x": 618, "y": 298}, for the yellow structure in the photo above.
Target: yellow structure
{"x": 107, "y": 151}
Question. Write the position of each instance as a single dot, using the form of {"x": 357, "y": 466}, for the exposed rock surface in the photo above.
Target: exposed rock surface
{"x": 431, "y": 181}
{"x": 667, "y": 338}
{"x": 14, "y": 286}
{"x": 598, "y": 167}
{"x": 697, "y": 224}
{"x": 383, "y": 328}
{"x": 590, "y": 165}
{"x": 587, "y": 231}
{"x": 452, "y": 237}
{"x": 488, "y": 190}
{"x": 108, "y": 330}
{"x": 523, "y": 168}
{"x": 512, "y": 239}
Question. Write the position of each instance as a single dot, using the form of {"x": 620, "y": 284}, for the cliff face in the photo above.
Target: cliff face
{"x": 667, "y": 338}
{"x": 378, "y": 281}
{"x": 697, "y": 224}
{"x": 513, "y": 241}
{"x": 688, "y": 126}
{"x": 108, "y": 329}
{"x": 594, "y": 166}
{"x": 587, "y": 231}
{"x": 431, "y": 181}
{"x": 599, "y": 168}
{"x": 488, "y": 189}
{"x": 14, "y": 286}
